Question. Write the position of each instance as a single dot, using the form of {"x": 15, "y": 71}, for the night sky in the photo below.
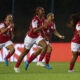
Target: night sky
{"x": 24, "y": 12}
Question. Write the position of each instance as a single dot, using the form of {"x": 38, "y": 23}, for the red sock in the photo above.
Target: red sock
{"x": 9, "y": 55}
{"x": 31, "y": 58}
{"x": 71, "y": 66}
{"x": 47, "y": 58}
{"x": 18, "y": 63}
{"x": 41, "y": 57}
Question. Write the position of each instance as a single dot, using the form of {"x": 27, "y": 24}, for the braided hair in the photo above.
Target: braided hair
{"x": 74, "y": 19}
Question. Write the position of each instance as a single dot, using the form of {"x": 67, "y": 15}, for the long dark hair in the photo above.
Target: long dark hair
{"x": 74, "y": 19}
{"x": 37, "y": 10}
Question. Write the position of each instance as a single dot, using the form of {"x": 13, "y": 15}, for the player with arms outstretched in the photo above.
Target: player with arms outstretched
{"x": 6, "y": 32}
{"x": 46, "y": 31}
{"x": 51, "y": 28}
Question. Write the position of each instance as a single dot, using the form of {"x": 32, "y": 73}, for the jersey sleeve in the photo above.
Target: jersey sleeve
{"x": 53, "y": 27}
{"x": 2, "y": 26}
{"x": 34, "y": 24}
{"x": 78, "y": 27}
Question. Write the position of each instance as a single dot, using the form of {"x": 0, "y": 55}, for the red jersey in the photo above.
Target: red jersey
{"x": 36, "y": 23}
{"x": 4, "y": 37}
{"x": 76, "y": 38}
{"x": 48, "y": 29}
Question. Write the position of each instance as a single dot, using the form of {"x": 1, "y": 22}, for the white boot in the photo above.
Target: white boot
{"x": 16, "y": 70}
{"x": 40, "y": 64}
{"x": 70, "y": 70}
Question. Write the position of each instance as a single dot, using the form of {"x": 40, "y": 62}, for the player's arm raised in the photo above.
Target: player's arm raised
{"x": 56, "y": 33}
{"x": 3, "y": 29}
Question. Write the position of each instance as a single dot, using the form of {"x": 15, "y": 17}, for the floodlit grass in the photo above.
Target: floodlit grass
{"x": 59, "y": 72}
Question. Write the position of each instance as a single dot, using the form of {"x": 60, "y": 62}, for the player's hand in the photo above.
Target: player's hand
{"x": 61, "y": 37}
{"x": 45, "y": 24}
{"x": 11, "y": 25}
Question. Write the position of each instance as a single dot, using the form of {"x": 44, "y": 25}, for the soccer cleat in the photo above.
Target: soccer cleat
{"x": 40, "y": 64}
{"x": 26, "y": 65}
{"x": 16, "y": 70}
{"x": 48, "y": 66}
{"x": 6, "y": 61}
{"x": 70, "y": 70}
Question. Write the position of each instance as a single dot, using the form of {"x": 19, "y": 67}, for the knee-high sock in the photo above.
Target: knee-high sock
{"x": 71, "y": 66}
{"x": 41, "y": 57}
{"x": 9, "y": 55}
{"x": 47, "y": 57}
{"x": 31, "y": 58}
{"x": 18, "y": 63}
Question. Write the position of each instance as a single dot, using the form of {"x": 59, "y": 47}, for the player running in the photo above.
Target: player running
{"x": 6, "y": 32}
{"x": 75, "y": 42}
{"x": 32, "y": 37}
{"x": 50, "y": 27}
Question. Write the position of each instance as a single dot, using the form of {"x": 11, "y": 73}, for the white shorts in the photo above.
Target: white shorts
{"x": 47, "y": 42}
{"x": 75, "y": 47}
{"x": 6, "y": 44}
{"x": 28, "y": 41}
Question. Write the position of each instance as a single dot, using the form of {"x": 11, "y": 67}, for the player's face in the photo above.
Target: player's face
{"x": 9, "y": 18}
{"x": 41, "y": 12}
{"x": 51, "y": 17}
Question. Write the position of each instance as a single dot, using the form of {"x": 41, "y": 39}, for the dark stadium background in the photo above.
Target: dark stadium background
{"x": 23, "y": 12}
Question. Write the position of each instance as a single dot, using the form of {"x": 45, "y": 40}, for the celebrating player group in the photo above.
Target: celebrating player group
{"x": 39, "y": 33}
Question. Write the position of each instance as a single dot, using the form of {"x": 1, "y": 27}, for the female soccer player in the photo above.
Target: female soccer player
{"x": 6, "y": 32}
{"x": 47, "y": 31}
{"x": 75, "y": 43}
{"x": 50, "y": 27}
{"x": 32, "y": 37}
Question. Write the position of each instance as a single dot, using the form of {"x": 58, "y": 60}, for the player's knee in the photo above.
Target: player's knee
{"x": 45, "y": 46}
{"x": 44, "y": 49}
{"x": 36, "y": 53}
{"x": 25, "y": 51}
{"x": 50, "y": 49}
{"x": 75, "y": 53}
{"x": 12, "y": 49}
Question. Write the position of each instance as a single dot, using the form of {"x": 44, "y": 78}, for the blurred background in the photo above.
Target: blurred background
{"x": 23, "y": 12}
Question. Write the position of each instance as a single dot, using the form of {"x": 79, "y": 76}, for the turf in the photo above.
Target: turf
{"x": 59, "y": 72}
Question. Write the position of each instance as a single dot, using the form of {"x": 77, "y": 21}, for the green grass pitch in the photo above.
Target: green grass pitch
{"x": 59, "y": 72}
